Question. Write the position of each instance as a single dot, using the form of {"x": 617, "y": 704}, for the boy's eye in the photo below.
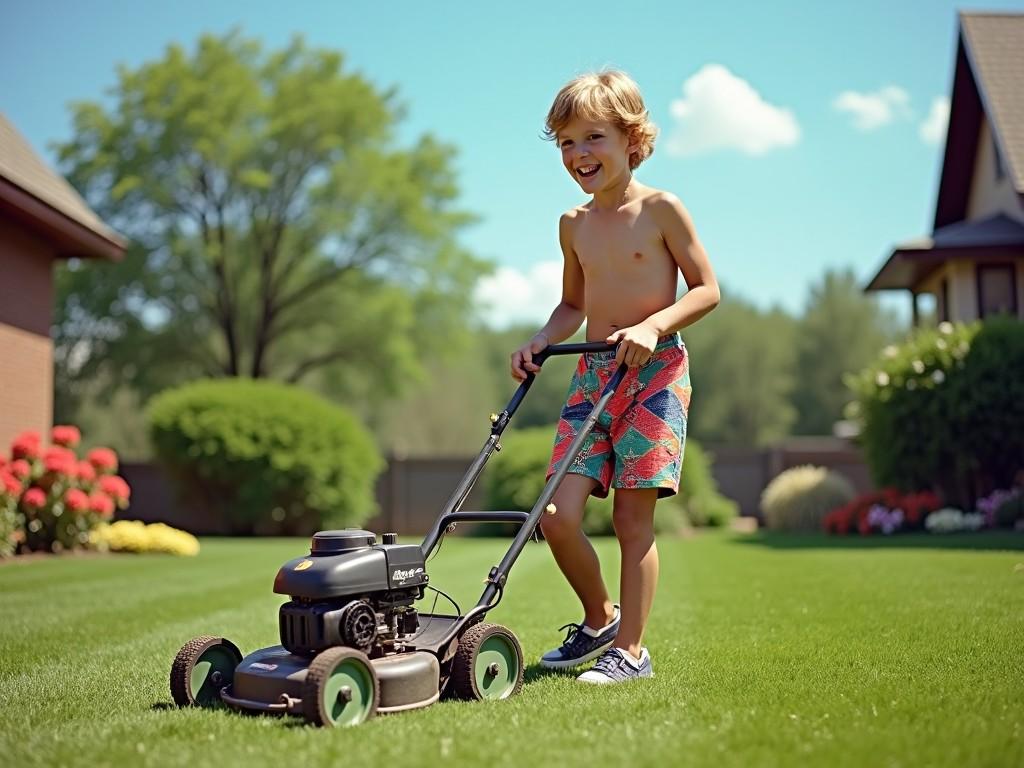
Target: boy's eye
{"x": 566, "y": 143}
{"x": 594, "y": 136}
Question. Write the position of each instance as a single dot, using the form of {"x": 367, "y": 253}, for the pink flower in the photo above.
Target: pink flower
{"x": 26, "y": 446}
{"x": 20, "y": 468}
{"x": 60, "y": 461}
{"x": 104, "y": 459}
{"x": 86, "y": 471}
{"x": 116, "y": 488}
{"x": 66, "y": 435}
{"x": 76, "y": 500}
{"x": 9, "y": 484}
{"x": 101, "y": 504}
{"x": 34, "y": 498}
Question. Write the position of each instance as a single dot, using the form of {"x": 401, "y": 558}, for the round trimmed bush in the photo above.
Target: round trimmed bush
{"x": 270, "y": 458}
{"x": 799, "y": 498}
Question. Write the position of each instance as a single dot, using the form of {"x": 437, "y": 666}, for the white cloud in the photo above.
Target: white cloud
{"x": 875, "y": 109}
{"x": 719, "y": 110}
{"x": 512, "y": 296}
{"x": 933, "y": 129}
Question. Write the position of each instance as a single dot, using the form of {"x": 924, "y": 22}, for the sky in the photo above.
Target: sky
{"x": 801, "y": 136}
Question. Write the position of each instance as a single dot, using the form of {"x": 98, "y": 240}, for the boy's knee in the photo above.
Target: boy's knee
{"x": 631, "y": 525}
{"x": 558, "y": 526}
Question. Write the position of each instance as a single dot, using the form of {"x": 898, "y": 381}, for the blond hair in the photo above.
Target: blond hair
{"x": 607, "y": 96}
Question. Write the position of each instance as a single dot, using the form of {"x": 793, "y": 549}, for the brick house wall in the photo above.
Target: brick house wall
{"x": 26, "y": 352}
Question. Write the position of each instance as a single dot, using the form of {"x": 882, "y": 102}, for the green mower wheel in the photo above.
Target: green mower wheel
{"x": 340, "y": 688}
{"x": 203, "y": 666}
{"x": 488, "y": 664}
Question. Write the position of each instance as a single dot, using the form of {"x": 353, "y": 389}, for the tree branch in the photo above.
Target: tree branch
{"x": 315, "y": 362}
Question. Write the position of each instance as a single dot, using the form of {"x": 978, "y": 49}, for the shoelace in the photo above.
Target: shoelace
{"x": 609, "y": 663}
{"x": 572, "y": 635}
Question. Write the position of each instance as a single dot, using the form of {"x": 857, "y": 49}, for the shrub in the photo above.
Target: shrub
{"x": 269, "y": 457}
{"x": 1002, "y": 509}
{"x": 950, "y": 520}
{"x": 886, "y": 511}
{"x": 515, "y": 479}
{"x": 50, "y": 500}
{"x": 799, "y": 498}
{"x": 135, "y": 536}
{"x": 946, "y": 409}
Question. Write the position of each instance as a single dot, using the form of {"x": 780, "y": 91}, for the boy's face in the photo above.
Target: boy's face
{"x": 595, "y": 153}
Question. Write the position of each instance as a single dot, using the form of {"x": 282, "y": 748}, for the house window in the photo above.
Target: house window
{"x": 997, "y": 289}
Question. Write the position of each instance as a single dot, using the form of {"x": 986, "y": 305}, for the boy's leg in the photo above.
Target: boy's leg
{"x": 633, "y": 518}
{"x": 573, "y": 552}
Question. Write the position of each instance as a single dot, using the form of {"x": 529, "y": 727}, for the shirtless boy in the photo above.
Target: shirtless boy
{"x": 623, "y": 251}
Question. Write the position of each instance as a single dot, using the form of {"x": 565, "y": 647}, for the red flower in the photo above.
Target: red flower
{"x": 101, "y": 504}
{"x": 34, "y": 498}
{"x": 9, "y": 484}
{"x": 76, "y": 500}
{"x": 26, "y": 446}
{"x": 66, "y": 435}
{"x": 86, "y": 471}
{"x": 60, "y": 461}
{"x": 104, "y": 459}
{"x": 20, "y": 468}
{"x": 116, "y": 488}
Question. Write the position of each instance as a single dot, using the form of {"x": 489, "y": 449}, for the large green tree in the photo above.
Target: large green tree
{"x": 840, "y": 332}
{"x": 277, "y": 228}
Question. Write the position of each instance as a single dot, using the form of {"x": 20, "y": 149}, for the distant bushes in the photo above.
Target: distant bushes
{"x": 515, "y": 479}
{"x": 799, "y": 498}
{"x": 945, "y": 410}
{"x": 137, "y": 537}
{"x": 270, "y": 458}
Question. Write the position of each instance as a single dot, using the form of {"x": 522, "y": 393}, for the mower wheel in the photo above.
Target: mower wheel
{"x": 203, "y": 666}
{"x": 488, "y": 664}
{"x": 340, "y": 688}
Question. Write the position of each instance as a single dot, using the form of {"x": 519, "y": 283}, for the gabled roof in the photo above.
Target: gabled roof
{"x": 988, "y": 79}
{"x": 45, "y": 201}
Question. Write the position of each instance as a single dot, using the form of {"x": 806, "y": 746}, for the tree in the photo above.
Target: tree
{"x": 841, "y": 332}
{"x": 276, "y": 230}
{"x": 742, "y": 371}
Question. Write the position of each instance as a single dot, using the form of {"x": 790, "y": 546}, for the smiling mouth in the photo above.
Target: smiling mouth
{"x": 588, "y": 171}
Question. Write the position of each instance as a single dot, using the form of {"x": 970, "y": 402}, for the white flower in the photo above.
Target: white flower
{"x": 940, "y": 343}
{"x": 918, "y": 366}
{"x": 938, "y": 376}
{"x": 945, "y": 327}
{"x": 891, "y": 351}
{"x": 882, "y": 379}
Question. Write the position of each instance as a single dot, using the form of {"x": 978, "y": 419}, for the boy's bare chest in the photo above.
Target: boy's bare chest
{"x": 618, "y": 243}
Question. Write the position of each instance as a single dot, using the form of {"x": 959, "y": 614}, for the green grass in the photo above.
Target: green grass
{"x": 768, "y": 651}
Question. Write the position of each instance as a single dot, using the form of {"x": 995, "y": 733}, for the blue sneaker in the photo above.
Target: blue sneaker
{"x": 617, "y": 666}
{"x": 581, "y": 644}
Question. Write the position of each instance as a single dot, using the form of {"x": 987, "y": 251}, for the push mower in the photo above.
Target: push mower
{"x": 352, "y": 642}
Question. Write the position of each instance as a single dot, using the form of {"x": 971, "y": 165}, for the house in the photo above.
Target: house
{"x": 973, "y": 262}
{"x": 42, "y": 219}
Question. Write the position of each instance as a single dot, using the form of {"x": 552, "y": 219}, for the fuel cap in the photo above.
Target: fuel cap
{"x": 389, "y": 538}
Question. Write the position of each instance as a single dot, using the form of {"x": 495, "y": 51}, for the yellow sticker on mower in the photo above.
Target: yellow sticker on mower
{"x": 303, "y": 565}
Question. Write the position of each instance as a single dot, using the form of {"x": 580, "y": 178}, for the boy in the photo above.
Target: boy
{"x": 623, "y": 250}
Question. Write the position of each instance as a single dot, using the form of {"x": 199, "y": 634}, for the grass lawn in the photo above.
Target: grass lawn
{"x": 767, "y": 650}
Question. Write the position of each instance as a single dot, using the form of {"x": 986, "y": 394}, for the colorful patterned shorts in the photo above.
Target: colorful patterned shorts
{"x": 638, "y": 441}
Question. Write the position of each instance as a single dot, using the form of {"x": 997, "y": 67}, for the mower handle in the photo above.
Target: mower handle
{"x": 573, "y": 349}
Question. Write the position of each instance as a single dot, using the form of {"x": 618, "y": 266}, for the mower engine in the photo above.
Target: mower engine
{"x": 351, "y": 591}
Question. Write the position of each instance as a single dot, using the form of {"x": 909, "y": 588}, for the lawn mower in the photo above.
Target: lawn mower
{"x": 352, "y": 642}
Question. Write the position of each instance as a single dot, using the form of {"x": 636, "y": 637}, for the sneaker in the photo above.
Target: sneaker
{"x": 581, "y": 644}
{"x": 618, "y": 666}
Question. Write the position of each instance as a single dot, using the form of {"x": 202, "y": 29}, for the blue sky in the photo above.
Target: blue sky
{"x": 800, "y": 135}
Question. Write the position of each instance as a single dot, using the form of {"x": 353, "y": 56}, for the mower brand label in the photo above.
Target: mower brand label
{"x": 261, "y": 665}
{"x": 303, "y": 565}
{"x": 400, "y": 575}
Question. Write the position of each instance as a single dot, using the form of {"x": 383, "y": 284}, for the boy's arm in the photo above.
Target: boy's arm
{"x": 568, "y": 316}
{"x": 702, "y": 296}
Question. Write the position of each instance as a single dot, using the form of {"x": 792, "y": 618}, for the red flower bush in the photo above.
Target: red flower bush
{"x": 104, "y": 460}
{"x": 26, "y": 446}
{"x": 855, "y": 515}
{"x": 67, "y": 436}
{"x": 76, "y": 500}
{"x": 51, "y": 497}
{"x": 101, "y": 504}
{"x": 34, "y": 498}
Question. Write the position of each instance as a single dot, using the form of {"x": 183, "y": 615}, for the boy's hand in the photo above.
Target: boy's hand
{"x": 522, "y": 358}
{"x": 636, "y": 344}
